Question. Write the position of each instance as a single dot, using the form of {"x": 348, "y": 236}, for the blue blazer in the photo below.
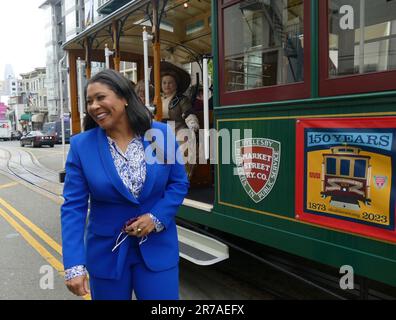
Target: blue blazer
{"x": 91, "y": 175}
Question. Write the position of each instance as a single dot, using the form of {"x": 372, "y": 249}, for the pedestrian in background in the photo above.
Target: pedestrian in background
{"x": 176, "y": 107}
{"x": 129, "y": 241}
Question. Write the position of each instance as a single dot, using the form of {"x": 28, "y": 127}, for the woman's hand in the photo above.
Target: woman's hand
{"x": 78, "y": 285}
{"x": 141, "y": 227}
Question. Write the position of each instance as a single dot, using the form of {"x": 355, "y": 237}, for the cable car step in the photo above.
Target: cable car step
{"x": 200, "y": 249}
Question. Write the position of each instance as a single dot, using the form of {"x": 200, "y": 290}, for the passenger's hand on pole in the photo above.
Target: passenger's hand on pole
{"x": 78, "y": 285}
{"x": 192, "y": 122}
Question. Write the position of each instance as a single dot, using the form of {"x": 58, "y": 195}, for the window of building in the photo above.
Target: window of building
{"x": 360, "y": 52}
{"x": 264, "y": 50}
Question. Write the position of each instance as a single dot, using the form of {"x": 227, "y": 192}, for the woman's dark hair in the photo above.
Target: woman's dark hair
{"x": 139, "y": 116}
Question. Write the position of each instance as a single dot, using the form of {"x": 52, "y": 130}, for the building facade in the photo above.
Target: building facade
{"x": 3, "y": 110}
{"x": 66, "y": 19}
{"x": 16, "y": 113}
{"x": 34, "y": 92}
{"x": 55, "y": 36}
{"x": 2, "y": 88}
{"x": 10, "y": 86}
{"x": 14, "y": 86}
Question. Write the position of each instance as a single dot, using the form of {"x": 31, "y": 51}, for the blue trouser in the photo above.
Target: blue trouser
{"x": 146, "y": 284}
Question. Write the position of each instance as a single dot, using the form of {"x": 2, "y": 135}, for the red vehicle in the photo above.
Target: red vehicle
{"x": 37, "y": 139}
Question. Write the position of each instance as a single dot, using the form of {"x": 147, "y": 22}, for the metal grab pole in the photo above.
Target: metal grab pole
{"x": 61, "y": 109}
{"x": 205, "y": 77}
{"x": 108, "y": 53}
{"x": 146, "y": 39}
{"x": 68, "y": 84}
{"x": 80, "y": 90}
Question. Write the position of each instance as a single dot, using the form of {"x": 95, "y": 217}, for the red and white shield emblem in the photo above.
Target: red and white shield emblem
{"x": 380, "y": 181}
{"x": 257, "y": 161}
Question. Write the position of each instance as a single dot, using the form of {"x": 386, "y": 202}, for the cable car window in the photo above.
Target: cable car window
{"x": 360, "y": 169}
{"x": 344, "y": 167}
{"x": 331, "y": 166}
{"x": 362, "y": 37}
{"x": 263, "y": 44}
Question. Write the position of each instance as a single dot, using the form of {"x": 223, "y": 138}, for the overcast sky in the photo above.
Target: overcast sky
{"x": 22, "y": 39}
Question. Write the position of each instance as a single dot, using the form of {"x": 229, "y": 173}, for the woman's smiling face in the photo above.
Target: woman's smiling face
{"x": 105, "y": 107}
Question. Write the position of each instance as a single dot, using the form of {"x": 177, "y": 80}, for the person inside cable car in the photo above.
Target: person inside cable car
{"x": 177, "y": 110}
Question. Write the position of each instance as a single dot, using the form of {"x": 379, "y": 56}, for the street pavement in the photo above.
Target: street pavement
{"x": 30, "y": 268}
{"x": 51, "y": 158}
{"x": 31, "y": 265}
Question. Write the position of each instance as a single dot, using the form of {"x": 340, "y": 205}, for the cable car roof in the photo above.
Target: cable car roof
{"x": 185, "y": 32}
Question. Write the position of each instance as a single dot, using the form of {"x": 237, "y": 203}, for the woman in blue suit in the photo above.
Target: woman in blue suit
{"x": 128, "y": 171}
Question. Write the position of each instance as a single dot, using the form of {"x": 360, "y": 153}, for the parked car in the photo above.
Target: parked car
{"x": 55, "y": 129}
{"x": 37, "y": 139}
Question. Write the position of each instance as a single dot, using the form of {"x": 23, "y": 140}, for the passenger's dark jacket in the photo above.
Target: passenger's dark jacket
{"x": 179, "y": 109}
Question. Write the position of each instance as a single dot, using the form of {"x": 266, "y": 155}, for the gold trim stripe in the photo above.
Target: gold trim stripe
{"x": 390, "y": 113}
{"x": 302, "y": 222}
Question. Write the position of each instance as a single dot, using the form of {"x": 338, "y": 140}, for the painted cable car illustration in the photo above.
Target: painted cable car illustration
{"x": 346, "y": 177}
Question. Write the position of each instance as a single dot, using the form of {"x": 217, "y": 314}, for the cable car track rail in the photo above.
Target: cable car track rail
{"x": 29, "y": 171}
